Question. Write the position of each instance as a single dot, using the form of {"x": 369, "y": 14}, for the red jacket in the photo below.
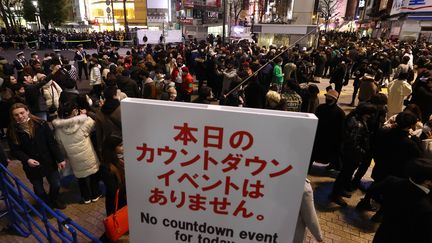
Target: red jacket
{"x": 187, "y": 84}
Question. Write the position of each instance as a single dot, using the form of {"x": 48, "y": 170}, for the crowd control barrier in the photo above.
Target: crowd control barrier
{"x": 27, "y": 219}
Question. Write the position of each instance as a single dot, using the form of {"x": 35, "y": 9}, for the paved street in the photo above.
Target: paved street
{"x": 345, "y": 226}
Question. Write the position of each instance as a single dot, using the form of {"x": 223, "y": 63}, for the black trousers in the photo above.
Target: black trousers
{"x": 82, "y": 66}
{"x": 54, "y": 186}
{"x": 350, "y": 164}
{"x": 89, "y": 186}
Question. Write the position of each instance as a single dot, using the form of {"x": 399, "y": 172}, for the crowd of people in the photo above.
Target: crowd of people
{"x": 49, "y": 123}
{"x": 53, "y": 39}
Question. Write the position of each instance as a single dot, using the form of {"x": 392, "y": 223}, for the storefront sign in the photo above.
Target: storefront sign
{"x": 186, "y": 21}
{"x": 411, "y": 6}
{"x": 203, "y": 173}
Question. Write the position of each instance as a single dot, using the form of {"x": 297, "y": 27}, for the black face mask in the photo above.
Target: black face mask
{"x": 179, "y": 64}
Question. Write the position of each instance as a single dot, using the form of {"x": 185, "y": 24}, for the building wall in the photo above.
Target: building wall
{"x": 303, "y": 11}
{"x": 136, "y": 12}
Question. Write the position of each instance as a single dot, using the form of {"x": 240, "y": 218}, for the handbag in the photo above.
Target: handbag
{"x": 52, "y": 109}
{"x": 117, "y": 224}
{"x": 407, "y": 101}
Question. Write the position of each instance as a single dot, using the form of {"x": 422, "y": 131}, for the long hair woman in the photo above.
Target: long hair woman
{"x": 32, "y": 142}
{"x": 112, "y": 172}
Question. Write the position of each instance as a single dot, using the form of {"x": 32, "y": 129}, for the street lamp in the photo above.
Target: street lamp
{"x": 37, "y": 15}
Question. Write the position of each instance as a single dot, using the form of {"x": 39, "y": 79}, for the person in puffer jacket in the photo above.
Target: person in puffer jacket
{"x": 95, "y": 77}
{"x": 72, "y": 131}
{"x": 51, "y": 93}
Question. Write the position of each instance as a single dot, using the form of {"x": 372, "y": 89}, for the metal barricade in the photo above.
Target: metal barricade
{"x": 27, "y": 219}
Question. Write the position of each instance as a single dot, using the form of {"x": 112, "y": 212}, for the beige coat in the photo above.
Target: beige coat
{"x": 398, "y": 90}
{"x": 51, "y": 93}
{"x": 74, "y": 134}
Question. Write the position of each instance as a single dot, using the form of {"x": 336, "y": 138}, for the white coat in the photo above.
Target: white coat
{"x": 51, "y": 92}
{"x": 74, "y": 135}
{"x": 307, "y": 217}
{"x": 95, "y": 75}
{"x": 398, "y": 90}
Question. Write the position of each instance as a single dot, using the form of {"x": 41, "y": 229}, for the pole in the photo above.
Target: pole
{"x": 126, "y": 24}
{"x": 112, "y": 12}
{"x": 224, "y": 21}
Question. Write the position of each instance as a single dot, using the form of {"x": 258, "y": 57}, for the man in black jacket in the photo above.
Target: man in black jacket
{"x": 127, "y": 85}
{"x": 408, "y": 207}
{"x": 329, "y": 134}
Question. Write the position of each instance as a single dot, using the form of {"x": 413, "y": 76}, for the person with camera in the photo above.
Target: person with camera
{"x": 33, "y": 95}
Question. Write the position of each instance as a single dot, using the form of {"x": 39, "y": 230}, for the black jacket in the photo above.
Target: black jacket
{"x": 329, "y": 134}
{"x": 42, "y": 147}
{"x": 407, "y": 212}
{"x": 128, "y": 86}
{"x": 392, "y": 150}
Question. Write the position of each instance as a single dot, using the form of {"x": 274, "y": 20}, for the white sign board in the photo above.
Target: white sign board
{"x": 207, "y": 174}
{"x": 411, "y": 6}
{"x": 158, "y": 4}
{"x": 153, "y": 36}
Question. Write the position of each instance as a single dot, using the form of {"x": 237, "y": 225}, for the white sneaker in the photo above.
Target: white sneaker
{"x": 96, "y": 198}
{"x": 87, "y": 201}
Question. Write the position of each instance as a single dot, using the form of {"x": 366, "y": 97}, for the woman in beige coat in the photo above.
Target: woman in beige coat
{"x": 51, "y": 92}
{"x": 73, "y": 132}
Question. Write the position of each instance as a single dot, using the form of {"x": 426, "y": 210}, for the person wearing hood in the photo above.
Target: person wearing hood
{"x": 95, "y": 77}
{"x": 72, "y": 131}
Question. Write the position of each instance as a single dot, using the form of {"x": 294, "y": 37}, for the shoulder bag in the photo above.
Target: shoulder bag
{"x": 117, "y": 223}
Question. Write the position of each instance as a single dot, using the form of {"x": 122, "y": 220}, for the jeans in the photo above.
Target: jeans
{"x": 54, "y": 187}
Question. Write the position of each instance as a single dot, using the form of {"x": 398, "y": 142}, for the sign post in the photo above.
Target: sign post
{"x": 214, "y": 174}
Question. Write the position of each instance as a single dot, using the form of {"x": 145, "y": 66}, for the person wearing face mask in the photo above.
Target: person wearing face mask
{"x": 329, "y": 134}
{"x": 408, "y": 208}
{"x": 32, "y": 142}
